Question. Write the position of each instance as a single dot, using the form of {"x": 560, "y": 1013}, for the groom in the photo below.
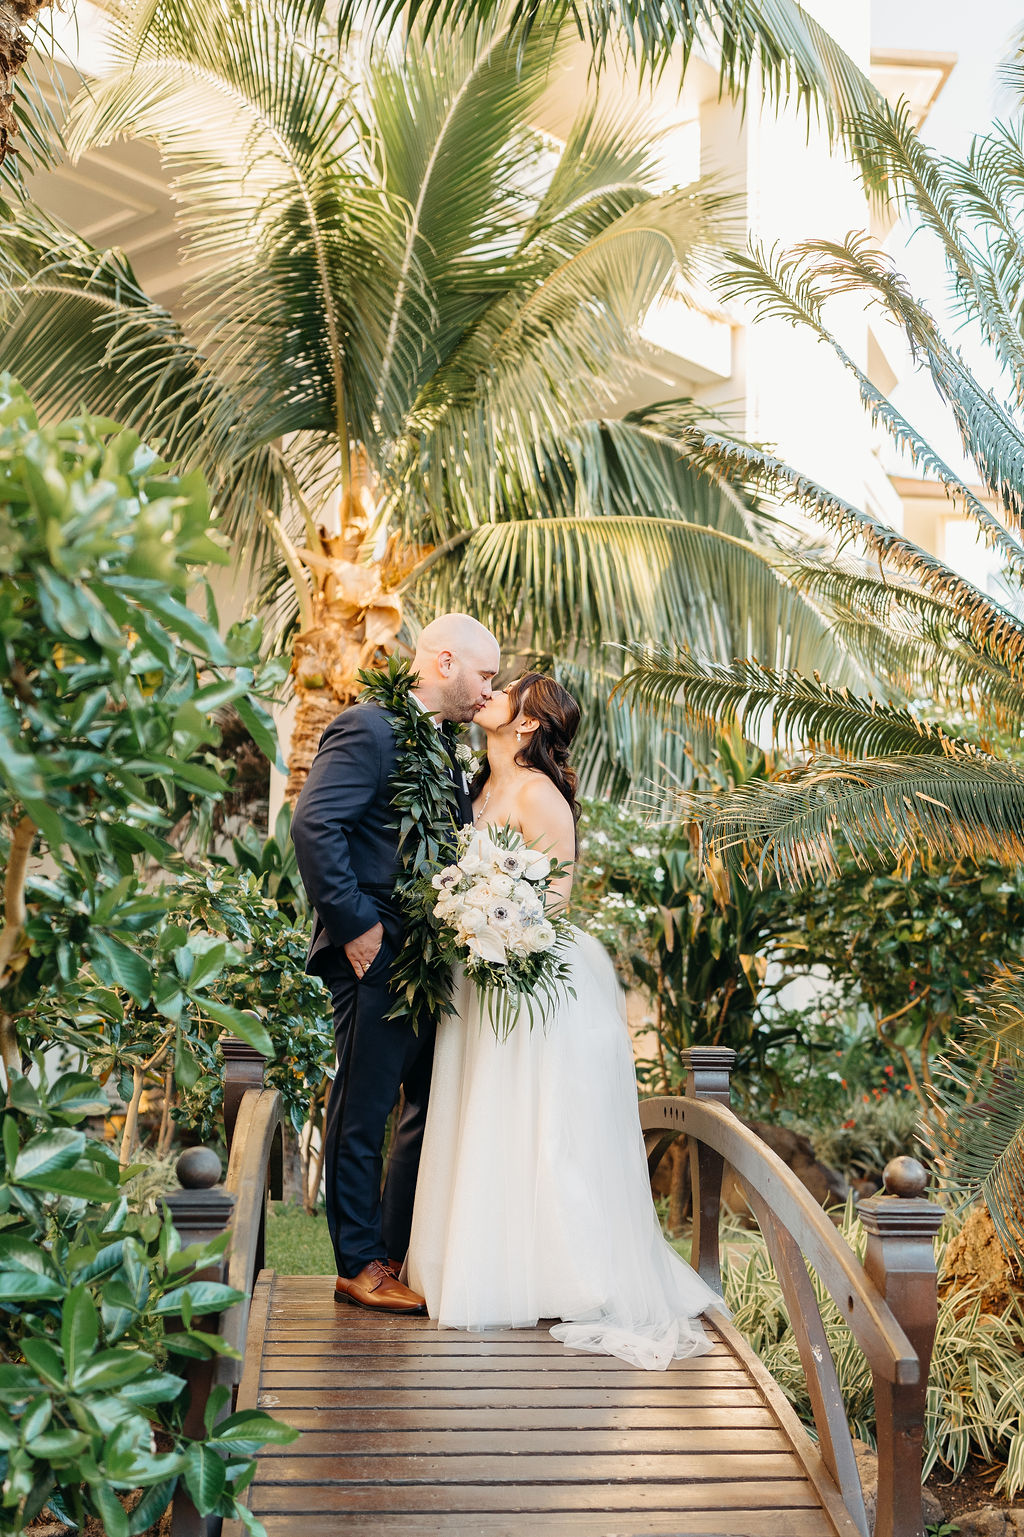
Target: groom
{"x": 346, "y": 845}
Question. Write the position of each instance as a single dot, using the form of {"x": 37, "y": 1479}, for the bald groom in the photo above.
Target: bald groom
{"x": 346, "y": 845}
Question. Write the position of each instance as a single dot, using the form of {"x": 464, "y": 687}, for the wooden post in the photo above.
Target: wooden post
{"x": 243, "y": 1069}
{"x": 707, "y": 1077}
{"x": 900, "y": 1259}
{"x": 200, "y": 1210}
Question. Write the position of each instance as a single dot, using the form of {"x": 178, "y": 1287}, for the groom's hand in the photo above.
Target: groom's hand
{"x": 362, "y": 950}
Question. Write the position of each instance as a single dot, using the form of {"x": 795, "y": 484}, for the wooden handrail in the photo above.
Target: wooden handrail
{"x": 889, "y": 1304}
{"x": 204, "y": 1208}
{"x": 871, "y": 1321}
{"x": 257, "y": 1133}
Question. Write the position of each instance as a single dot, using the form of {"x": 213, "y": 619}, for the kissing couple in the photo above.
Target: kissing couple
{"x": 516, "y": 1185}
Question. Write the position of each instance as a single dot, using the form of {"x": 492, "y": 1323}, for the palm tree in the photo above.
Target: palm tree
{"x": 414, "y": 306}
{"x": 933, "y": 764}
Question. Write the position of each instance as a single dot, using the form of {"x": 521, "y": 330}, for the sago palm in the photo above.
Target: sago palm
{"x": 933, "y": 762}
{"x": 413, "y": 308}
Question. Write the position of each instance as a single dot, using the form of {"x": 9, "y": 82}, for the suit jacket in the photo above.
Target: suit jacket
{"x": 345, "y": 834}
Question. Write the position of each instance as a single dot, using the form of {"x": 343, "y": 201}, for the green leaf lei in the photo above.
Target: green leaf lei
{"x": 424, "y": 798}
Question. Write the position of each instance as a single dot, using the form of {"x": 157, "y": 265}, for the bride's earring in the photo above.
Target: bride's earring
{"x": 519, "y": 736}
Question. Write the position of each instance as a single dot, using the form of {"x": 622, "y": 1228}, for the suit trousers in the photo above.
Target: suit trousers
{"x": 376, "y": 1057}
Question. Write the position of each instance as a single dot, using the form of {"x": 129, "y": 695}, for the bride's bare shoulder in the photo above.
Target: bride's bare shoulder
{"x": 542, "y": 805}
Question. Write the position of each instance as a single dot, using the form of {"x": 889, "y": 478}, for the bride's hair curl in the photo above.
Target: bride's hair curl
{"x": 557, "y": 714}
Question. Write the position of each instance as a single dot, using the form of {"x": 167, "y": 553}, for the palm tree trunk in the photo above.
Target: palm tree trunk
{"x": 356, "y": 619}
{"x": 16, "y": 16}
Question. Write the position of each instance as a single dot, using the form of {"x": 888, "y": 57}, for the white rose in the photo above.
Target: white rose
{"x": 472, "y": 921}
{"x": 538, "y": 866}
{"x": 538, "y": 937}
{"x": 471, "y": 863}
{"x": 480, "y": 896}
{"x": 501, "y": 885}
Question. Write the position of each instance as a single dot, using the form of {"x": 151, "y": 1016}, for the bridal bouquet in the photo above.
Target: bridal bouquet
{"x": 489, "y": 910}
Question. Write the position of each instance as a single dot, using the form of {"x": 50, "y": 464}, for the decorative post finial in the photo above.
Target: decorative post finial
{"x": 900, "y": 1258}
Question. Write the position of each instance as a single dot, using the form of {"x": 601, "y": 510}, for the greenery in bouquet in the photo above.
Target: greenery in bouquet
{"x": 493, "y": 914}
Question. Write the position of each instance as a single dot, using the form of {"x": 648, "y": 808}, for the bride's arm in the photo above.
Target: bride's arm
{"x": 547, "y": 824}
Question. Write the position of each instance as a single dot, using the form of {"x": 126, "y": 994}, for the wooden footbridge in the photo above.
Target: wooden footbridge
{"x": 406, "y": 1429}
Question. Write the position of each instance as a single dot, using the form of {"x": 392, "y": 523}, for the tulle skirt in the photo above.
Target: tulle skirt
{"x": 533, "y": 1199}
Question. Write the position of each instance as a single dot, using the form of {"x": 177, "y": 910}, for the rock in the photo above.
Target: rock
{"x": 975, "y": 1258}
{"x": 991, "y": 1521}
{"x": 826, "y": 1186}
{"x": 867, "y": 1466}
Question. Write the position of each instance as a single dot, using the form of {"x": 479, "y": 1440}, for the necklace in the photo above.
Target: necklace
{"x": 483, "y": 807}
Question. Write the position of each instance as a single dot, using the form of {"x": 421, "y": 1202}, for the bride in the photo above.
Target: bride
{"x": 533, "y": 1199}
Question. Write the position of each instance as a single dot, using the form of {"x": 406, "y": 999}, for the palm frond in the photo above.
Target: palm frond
{"x": 993, "y": 627}
{"x": 794, "y": 286}
{"x": 79, "y": 332}
{"x": 778, "y": 42}
{"x": 585, "y": 582}
{"x": 798, "y": 709}
{"x": 965, "y": 805}
{"x": 532, "y": 365}
{"x": 983, "y": 1135}
{"x": 257, "y": 127}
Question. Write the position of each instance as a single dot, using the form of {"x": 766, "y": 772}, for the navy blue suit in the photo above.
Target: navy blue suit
{"x": 346, "y": 845}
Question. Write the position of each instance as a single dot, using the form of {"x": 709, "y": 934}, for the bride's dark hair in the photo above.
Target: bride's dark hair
{"x": 558, "y": 716}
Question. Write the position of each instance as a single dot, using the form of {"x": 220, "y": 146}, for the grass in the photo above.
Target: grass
{"x": 297, "y": 1244}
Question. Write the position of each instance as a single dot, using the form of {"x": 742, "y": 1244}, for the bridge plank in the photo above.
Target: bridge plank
{"x": 728, "y": 1416}
{"x": 416, "y": 1442}
{"x": 778, "y": 1494}
{"x": 409, "y": 1430}
{"x": 348, "y": 1466}
{"x": 525, "y": 1398}
{"x": 500, "y": 1378}
{"x": 570, "y": 1523}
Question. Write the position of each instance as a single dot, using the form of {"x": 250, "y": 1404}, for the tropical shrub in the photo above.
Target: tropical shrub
{"x": 100, "y": 1309}
{"x": 109, "y": 684}
{"x": 975, "y": 1405}
{"x": 212, "y": 953}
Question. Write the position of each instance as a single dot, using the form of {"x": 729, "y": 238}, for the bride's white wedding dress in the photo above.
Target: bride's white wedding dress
{"x": 533, "y": 1198}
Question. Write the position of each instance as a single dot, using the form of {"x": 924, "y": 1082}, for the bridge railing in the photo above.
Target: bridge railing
{"x": 889, "y": 1302}
{"x": 204, "y": 1208}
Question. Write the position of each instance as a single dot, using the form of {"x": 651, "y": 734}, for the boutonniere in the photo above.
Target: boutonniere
{"x": 468, "y": 760}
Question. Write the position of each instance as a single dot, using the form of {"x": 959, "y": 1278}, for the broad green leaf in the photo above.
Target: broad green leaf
{"x": 114, "y": 1516}
{"x": 202, "y": 1296}
{"x": 79, "y": 1332}
{"x": 43, "y": 1359}
{"x": 241, "y": 1023}
{"x": 120, "y": 966}
{"x": 151, "y": 1507}
{"x": 35, "y": 1419}
{"x": 79, "y": 1184}
{"x": 204, "y": 1477}
{"x": 49, "y": 1151}
{"x": 26, "y": 1285}
{"x": 112, "y": 1369}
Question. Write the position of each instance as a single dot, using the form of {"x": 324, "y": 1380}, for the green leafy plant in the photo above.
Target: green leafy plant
{"x": 98, "y": 1305}
{"x": 109, "y": 686}
{"x": 975, "y": 1405}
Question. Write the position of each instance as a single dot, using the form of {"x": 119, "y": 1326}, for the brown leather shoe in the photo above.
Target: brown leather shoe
{"x": 377, "y": 1289}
